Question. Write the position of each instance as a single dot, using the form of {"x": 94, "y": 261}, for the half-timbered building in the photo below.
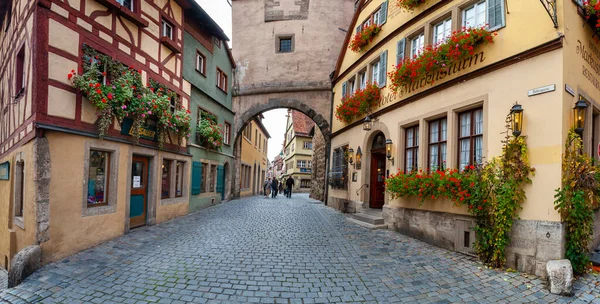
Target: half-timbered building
{"x": 62, "y": 186}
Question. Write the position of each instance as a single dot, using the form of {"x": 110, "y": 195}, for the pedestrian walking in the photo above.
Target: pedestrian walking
{"x": 289, "y": 183}
{"x": 274, "y": 185}
{"x": 280, "y": 187}
{"x": 267, "y": 187}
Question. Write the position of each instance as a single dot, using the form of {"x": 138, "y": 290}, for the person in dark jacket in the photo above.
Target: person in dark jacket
{"x": 280, "y": 187}
{"x": 274, "y": 188}
{"x": 289, "y": 183}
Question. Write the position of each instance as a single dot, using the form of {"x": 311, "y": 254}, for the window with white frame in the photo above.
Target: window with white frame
{"x": 127, "y": 4}
{"x": 411, "y": 149}
{"x": 179, "y": 173}
{"x": 375, "y": 66}
{"x": 475, "y": 15}
{"x": 442, "y": 31}
{"x": 362, "y": 77}
{"x": 376, "y": 16}
{"x": 416, "y": 45}
{"x": 310, "y": 164}
{"x": 200, "y": 63}
{"x": 351, "y": 86}
{"x": 213, "y": 178}
{"x": 167, "y": 30}
{"x": 437, "y": 144}
{"x": 301, "y": 164}
{"x": 470, "y": 138}
{"x": 226, "y": 133}
{"x": 308, "y": 145}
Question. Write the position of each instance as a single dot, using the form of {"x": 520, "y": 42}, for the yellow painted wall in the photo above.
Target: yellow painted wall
{"x": 251, "y": 155}
{"x": 21, "y": 238}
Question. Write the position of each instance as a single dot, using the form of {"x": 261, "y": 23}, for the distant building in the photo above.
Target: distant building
{"x": 298, "y": 149}
{"x": 254, "y": 162}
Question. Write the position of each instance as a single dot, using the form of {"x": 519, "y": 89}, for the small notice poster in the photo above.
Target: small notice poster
{"x": 136, "y": 181}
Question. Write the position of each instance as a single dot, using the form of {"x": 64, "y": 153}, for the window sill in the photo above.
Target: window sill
{"x": 97, "y": 205}
{"x": 18, "y": 221}
{"x": 221, "y": 89}
{"x": 201, "y": 73}
{"x": 169, "y": 43}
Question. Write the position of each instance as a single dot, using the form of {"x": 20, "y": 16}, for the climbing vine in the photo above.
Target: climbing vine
{"x": 576, "y": 201}
{"x": 493, "y": 193}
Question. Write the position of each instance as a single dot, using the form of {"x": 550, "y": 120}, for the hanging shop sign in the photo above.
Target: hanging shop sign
{"x": 4, "y": 171}
{"x": 147, "y": 131}
{"x": 541, "y": 90}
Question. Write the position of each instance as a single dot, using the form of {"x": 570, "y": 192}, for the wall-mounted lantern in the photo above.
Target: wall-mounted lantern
{"x": 579, "y": 111}
{"x": 358, "y": 158}
{"x": 516, "y": 113}
{"x": 351, "y": 156}
{"x": 367, "y": 123}
{"x": 388, "y": 149}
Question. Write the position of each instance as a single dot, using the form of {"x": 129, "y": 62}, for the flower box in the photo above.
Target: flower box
{"x": 364, "y": 37}
{"x": 360, "y": 103}
{"x": 409, "y": 4}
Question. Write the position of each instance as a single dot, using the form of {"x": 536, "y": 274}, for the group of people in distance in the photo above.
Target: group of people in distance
{"x": 274, "y": 187}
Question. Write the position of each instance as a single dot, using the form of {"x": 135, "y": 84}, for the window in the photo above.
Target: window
{"x": 20, "y": 71}
{"x": 179, "y": 179}
{"x": 475, "y": 15}
{"x": 217, "y": 42}
{"x": 376, "y": 16}
{"x": 442, "y": 31}
{"x": 226, "y": 133}
{"x": 248, "y": 132}
{"x": 98, "y": 177}
{"x": 213, "y": 178}
{"x": 416, "y": 45}
{"x": 255, "y": 137}
{"x": 362, "y": 76}
{"x": 309, "y": 164}
{"x": 301, "y": 164}
{"x": 305, "y": 183}
{"x": 293, "y": 146}
{"x": 221, "y": 80}
{"x": 308, "y": 145}
{"x": 375, "y": 72}
{"x": 470, "y": 138}
{"x": 127, "y": 4}
{"x": 260, "y": 141}
{"x": 166, "y": 179}
{"x": 338, "y": 178}
{"x": 351, "y": 86}
{"x": 167, "y": 30}
{"x": 200, "y": 63}
{"x": 19, "y": 187}
{"x": 205, "y": 173}
{"x": 285, "y": 45}
{"x": 245, "y": 178}
{"x": 173, "y": 105}
{"x": 437, "y": 144}
{"x": 411, "y": 149}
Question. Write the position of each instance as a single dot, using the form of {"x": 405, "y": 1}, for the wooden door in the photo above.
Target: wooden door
{"x": 138, "y": 203}
{"x": 377, "y": 197}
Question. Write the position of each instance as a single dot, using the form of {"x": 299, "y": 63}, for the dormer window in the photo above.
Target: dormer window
{"x": 167, "y": 30}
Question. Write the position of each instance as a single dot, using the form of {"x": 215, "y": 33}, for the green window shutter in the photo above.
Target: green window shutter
{"x": 344, "y": 87}
{"x": 196, "y": 177}
{"x": 382, "y": 69}
{"x": 221, "y": 181}
{"x": 495, "y": 14}
{"x": 383, "y": 13}
{"x": 400, "y": 51}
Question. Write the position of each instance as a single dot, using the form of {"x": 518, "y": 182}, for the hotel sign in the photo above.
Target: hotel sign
{"x": 146, "y": 131}
{"x": 4, "y": 171}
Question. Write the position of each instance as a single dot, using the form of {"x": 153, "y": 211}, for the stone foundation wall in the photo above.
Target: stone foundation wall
{"x": 532, "y": 243}
{"x": 338, "y": 204}
{"x": 596, "y": 240}
{"x": 317, "y": 176}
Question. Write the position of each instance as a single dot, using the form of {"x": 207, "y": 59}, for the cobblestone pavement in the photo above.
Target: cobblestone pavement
{"x": 259, "y": 250}
{"x": 3, "y": 279}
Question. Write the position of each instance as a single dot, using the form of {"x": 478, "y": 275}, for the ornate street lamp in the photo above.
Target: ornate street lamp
{"x": 579, "y": 111}
{"x": 367, "y": 123}
{"x": 358, "y": 158}
{"x": 388, "y": 149}
{"x": 516, "y": 112}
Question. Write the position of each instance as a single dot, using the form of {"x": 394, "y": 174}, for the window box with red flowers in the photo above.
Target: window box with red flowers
{"x": 409, "y": 4}
{"x": 364, "y": 37}
{"x": 360, "y": 103}
{"x": 591, "y": 12}
{"x": 460, "y": 45}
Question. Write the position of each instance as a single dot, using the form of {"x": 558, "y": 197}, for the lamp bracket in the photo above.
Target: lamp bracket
{"x": 550, "y": 6}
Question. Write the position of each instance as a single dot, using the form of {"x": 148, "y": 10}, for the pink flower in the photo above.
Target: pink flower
{"x": 124, "y": 107}
{"x": 143, "y": 115}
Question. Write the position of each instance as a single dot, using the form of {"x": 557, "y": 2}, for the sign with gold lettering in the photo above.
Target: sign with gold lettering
{"x": 147, "y": 131}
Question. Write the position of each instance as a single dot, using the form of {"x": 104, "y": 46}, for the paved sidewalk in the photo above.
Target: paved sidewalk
{"x": 3, "y": 279}
{"x": 260, "y": 250}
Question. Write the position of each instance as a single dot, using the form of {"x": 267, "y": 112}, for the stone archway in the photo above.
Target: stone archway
{"x": 309, "y": 108}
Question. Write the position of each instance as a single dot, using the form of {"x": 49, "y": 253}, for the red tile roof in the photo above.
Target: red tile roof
{"x": 302, "y": 123}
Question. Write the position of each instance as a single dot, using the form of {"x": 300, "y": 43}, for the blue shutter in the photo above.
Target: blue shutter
{"x": 221, "y": 181}
{"x": 344, "y": 89}
{"x": 383, "y": 13}
{"x": 495, "y": 14}
{"x": 382, "y": 69}
{"x": 400, "y": 51}
{"x": 196, "y": 177}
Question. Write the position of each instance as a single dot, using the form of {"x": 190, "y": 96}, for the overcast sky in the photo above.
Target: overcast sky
{"x": 274, "y": 121}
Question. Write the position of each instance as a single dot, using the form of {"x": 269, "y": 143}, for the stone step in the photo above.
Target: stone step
{"x": 373, "y": 212}
{"x": 367, "y": 225}
{"x": 369, "y": 218}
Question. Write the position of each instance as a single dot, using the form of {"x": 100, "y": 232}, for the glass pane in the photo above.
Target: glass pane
{"x": 166, "y": 179}
{"x": 478, "y": 122}
{"x": 434, "y": 132}
{"x": 481, "y": 14}
{"x": 465, "y": 124}
{"x": 469, "y": 17}
{"x": 137, "y": 174}
{"x": 409, "y": 138}
{"x": 127, "y": 4}
{"x": 443, "y": 156}
{"x": 478, "y": 157}
{"x": 465, "y": 150}
{"x": 444, "y": 123}
{"x": 409, "y": 160}
{"x": 285, "y": 45}
{"x": 433, "y": 157}
{"x": 416, "y": 142}
{"x": 97, "y": 177}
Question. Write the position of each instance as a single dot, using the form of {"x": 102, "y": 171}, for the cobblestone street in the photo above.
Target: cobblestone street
{"x": 259, "y": 250}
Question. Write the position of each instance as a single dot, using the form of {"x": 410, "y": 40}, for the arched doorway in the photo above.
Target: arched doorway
{"x": 377, "y": 172}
